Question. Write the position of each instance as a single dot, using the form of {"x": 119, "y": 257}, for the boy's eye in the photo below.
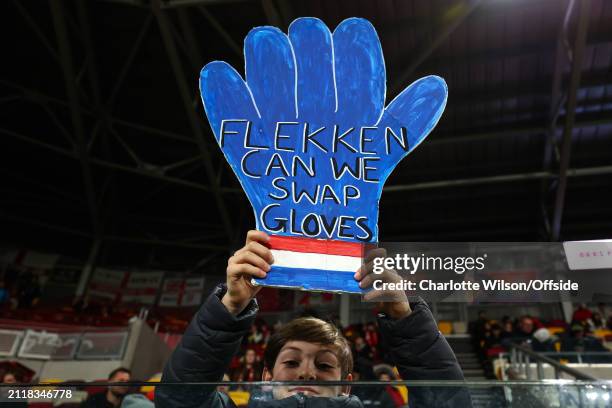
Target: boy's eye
{"x": 324, "y": 366}
{"x": 291, "y": 363}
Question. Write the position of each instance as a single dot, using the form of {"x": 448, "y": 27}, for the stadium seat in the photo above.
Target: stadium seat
{"x": 459, "y": 328}
{"x": 556, "y": 330}
{"x": 445, "y": 327}
{"x": 240, "y": 398}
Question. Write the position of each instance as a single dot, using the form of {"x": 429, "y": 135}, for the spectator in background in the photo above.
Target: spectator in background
{"x": 543, "y": 341}
{"x": 582, "y": 314}
{"x": 494, "y": 337}
{"x": 603, "y": 310}
{"x": 481, "y": 325}
{"x": 10, "y": 377}
{"x": 507, "y": 330}
{"x": 265, "y": 331}
{"x": 14, "y": 298}
{"x": 479, "y": 328}
{"x": 362, "y": 350}
{"x": 250, "y": 369}
{"x": 256, "y": 336}
{"x": 29, "y": 291}
{"x": 579, "y": 342}
{"x": 370, "y": 396}
{"x": 385, "y": 373}
{"x": 4, "y": 294}
{"x": 224, "y": 388}
{"x": 113, "y": 396}
{"x": 525, "y": 329}
{"x": 597, "y": 322}
{"x": 371, "y": 335}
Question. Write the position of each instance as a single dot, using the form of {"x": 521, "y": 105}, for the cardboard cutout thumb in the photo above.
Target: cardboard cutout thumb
{"x": 312, "y": 143}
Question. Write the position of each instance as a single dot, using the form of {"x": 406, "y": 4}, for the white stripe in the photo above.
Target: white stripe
{"x": 307, "y": 260}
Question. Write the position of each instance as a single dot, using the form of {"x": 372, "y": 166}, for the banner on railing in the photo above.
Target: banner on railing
{"x": 106, "y": 284}
{"x": 116, "y": 286}
{"x": 142, "y": 287}
{"x": 46, "y": 345}
{"x": 588, "y": 254}
{"x": 181, "y": 292}
{"x": 9, "y": 342}
{"x": 102, "y": 346}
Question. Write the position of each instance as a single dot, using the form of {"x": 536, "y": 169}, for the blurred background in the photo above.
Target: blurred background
{"x": 117, "y": 207}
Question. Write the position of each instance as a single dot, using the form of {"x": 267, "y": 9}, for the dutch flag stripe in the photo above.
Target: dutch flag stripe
{"x": 306, "y": 253}
{"x": 330, "y": 265}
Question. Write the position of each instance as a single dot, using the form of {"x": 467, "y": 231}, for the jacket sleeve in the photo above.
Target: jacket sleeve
{"x": 204, "y": 354}
{"x": 420, "y": 352}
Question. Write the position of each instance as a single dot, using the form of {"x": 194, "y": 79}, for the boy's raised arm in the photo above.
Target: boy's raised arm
{"x": 215, "y": 333}
{"x": 418, "y": 349}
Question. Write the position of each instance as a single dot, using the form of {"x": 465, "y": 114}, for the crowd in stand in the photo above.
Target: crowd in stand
{"x": 584, "y": 334}
{"x": 19, "y": 290}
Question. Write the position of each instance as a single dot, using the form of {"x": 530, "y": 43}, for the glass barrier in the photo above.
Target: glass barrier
{"x": 352, "y": 394}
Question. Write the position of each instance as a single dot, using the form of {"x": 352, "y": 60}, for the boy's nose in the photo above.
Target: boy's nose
{"x": 307, "y": 374}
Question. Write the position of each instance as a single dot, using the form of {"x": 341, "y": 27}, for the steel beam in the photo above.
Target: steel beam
{"x": 162, "y": 242}
{"x": 556, "y": 103}
{"x": 566, "y": 145}
{"x": 272, "y": 14}
{"x": 59, "y": 22}
{"x": 597, "y": 80}
{"x": 54, "y": 227}
{"x": 222, "y": 32}
{"x": 111, "y": 238}
{"x": 286, "y": 11}
{"x": 452, "y": 19}
{"x": 88, "y": 269}
{"x": 191, "y": 42}
{"x": 34, "y": 26}
{"x": 537, "y": 175}
{"x": 577, "y": 172}
{"x": 592, "y": 120}
{"x": 188, "y": 3}
{"x": 116, "y": 166}
{"x": 194, "y": 121}
{"x": 129, "y": 60}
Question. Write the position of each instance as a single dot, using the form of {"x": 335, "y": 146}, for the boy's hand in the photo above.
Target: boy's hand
{"x": 394, "y": 303}
{"x": 251, "y": 261}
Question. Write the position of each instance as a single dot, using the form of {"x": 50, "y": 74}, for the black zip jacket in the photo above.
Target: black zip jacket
{"x": 213, "y": 337}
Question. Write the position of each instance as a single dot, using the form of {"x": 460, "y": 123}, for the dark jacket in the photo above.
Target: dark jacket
{"x": 214, "y": 335}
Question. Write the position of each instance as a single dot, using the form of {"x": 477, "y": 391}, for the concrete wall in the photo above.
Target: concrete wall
{"x": 146, "y": 353}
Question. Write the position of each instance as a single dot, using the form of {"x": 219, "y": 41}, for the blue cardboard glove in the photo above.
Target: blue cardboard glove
{"x": 310, "y": 140}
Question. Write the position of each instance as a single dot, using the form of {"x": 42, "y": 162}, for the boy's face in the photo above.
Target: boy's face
{"x": 303, "y": 361}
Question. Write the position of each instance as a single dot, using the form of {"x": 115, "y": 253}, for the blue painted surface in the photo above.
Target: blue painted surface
{"x": 316, "y": 79}
{"x": 317, "y": 279}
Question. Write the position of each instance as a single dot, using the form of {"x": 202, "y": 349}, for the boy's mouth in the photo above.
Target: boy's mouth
{"x": 304, "y": 390}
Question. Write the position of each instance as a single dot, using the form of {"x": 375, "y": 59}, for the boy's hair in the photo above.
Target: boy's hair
{"x": 311, "y": 330}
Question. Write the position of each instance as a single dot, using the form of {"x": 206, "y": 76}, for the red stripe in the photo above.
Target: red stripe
{"x": 317, "y": 246}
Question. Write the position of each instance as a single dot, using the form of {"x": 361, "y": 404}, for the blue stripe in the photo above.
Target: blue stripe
{"x": 311, "y": 279}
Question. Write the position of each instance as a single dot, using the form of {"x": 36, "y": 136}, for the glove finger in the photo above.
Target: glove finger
{"x": 226, "y": 96}
{"x": 418, "y": 109}
{"x": 360, "y": 73}
{"x": 316, "y": 91}
{"x": 270, "y": 74}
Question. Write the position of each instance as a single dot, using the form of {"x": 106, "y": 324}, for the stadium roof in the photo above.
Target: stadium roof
{"x": 104, "y": 137}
